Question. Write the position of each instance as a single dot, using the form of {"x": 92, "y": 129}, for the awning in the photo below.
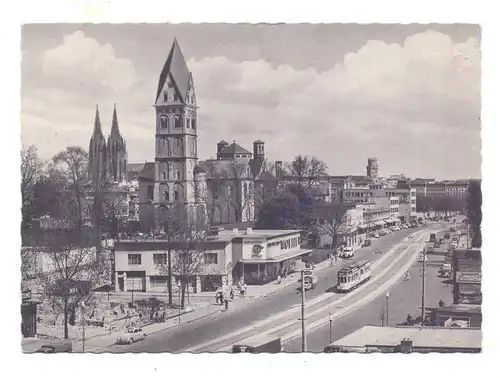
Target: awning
{"x": 379, "y": 223}
{"x": 281, "y": 258}
{"x": 394, "y": 219}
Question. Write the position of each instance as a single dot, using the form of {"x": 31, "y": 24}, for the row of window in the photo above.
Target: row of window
{"x": 165, "y": 175}
{"x": 289, "y": 243}
{"x": 161, "y": 259}
{"x": 175, "y": 97}
{"x": 189, "y": 122}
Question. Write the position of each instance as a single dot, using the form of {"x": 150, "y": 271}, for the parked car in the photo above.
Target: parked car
{"x": 437, "y": 244}
{"x": 404, "y": 226}
{"x": 56, "y": 347}
{"x": 422, "y": 257}
{"x": 382, "y": 233}
{"x": 366, "y": 243}
{"x": 131, "y": 335}
{"x": 375, "y": 235}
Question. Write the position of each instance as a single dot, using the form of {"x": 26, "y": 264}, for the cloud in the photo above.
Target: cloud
{"x": 382, "y": 99}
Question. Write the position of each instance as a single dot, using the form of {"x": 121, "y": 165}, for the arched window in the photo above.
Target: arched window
{"x": 188, "y": 122}
{"x": 245, "y": 189}
{"x": 163, "y": 122}
{"x": 164, "y": 175}
{"x": 177, "y": 122}
{"x": 176, "y": 195}
{"x": 167, "y": 196}
{"x": 193, "y": 123}
{"x": 165, "y": 96}
{"x": 178, "y": 174}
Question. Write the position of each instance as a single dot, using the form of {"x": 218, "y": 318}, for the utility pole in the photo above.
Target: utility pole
{"x": 331, "y": 320}
{"x": 424, "y": 264}
{"x": 303, "y": 290}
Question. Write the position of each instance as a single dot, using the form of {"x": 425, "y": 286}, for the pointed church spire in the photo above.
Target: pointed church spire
{"x": 176, "y": 68}
{"x": 97, "y": 122}
{"x": 114, "y": 125}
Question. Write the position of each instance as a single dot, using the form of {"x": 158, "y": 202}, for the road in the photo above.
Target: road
{"x": 186, "y": 337}
{"x": 404, "y": 297}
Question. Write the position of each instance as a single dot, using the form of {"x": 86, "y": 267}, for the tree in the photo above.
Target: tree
{"x": 291, "y": 209}
{"x": 333, "y": 224}
{"x": 170, "y": 224}
{"x": 474, "y": 212}
{"x": 306, "y": 171}
{"x": 72, "y": 269}
{"x": 73, "y": 162}
{"x": 31, "y": 169}
{"x": 188, "y": 254}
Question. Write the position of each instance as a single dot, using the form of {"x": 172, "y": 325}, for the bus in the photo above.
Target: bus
{"x": 354, "y": 275}
{"x": 262, "y": 343}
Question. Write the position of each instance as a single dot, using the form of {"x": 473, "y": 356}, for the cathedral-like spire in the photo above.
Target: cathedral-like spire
{"x": 97, "y": 123}
{"x": 115, "y": 130}
{"x": 177, "y": 68}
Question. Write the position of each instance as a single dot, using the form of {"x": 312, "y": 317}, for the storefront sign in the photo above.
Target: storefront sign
{"x": 468, "y": 277}
{"x": 256, "y": 250}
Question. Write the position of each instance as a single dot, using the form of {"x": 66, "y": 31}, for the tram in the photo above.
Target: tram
{"x": 352, "y": 276}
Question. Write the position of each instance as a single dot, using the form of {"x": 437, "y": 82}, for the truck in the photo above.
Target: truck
{"x": 262, "y": 343}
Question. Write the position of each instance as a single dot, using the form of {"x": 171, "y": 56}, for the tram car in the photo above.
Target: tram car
{"x": 352, "y": 276}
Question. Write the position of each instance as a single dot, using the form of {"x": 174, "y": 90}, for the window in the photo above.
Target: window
{"x": 164, "y": 175}
{"x": 176, "y": 195}
{"x": 188, "y": 121}
{"x": 177, "y": 122}
{"x": 175, "y": 96}
{"x": 134, "y": 259}
{"x": 150, "y": 192}
{"x": 159, "y": 259}
{"x": 210, "y": 258}
{"x": 178, "y": 174}
{"x": 167, "y": 196}
{"x": 165, "y": 96}
{"x": 163, "y": 122}
{"x": 178, "y": 142}
{"x": 186, "y": 258}
{"x": 193, "y": 123}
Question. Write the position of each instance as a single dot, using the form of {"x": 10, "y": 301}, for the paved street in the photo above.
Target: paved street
{"x": 187, "y": 336}
{"x": 404, "y": 297}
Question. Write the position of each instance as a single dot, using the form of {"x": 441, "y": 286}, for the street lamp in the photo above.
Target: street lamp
{"x": 387, "y": 307}
{"x": 330, "y": 318}
{"x": 82, "y": 305}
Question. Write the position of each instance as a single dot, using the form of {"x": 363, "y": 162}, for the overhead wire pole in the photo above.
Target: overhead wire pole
{"x": 424, "y": 264}
{"x": 302, "y": 311}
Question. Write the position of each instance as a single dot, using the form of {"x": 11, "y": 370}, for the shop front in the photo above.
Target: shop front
{"x": 467, "y": 288}
{"x": 28, "y": 315}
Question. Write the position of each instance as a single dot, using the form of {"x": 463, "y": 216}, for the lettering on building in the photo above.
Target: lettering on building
{"x": 256, "y": 250}
{"x": 468, "y": 277}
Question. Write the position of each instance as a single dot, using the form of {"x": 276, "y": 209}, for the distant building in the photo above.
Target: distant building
{"x": 372, "y": 169}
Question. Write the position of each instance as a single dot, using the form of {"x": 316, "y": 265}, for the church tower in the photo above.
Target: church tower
{"x": 117, "y": 153}
{"x": 97, "y": 151}
{"x": 176, "y": 153}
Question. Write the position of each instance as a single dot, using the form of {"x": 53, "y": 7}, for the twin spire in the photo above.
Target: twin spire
{"x": 115, "y": 130}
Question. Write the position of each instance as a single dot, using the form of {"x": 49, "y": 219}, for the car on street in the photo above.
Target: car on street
{"x": 374, "y": 235}
{"x": 382, "y": 233}
{"x": 131, "y": 335}
{"x": 437, "y": 244}
{"x": 422, "y": 257}
{"x": 367, "y": 243}
{"x": 404, "y": 226}
{"x": 447, "y": 236}
{"x": 347, "y": 253}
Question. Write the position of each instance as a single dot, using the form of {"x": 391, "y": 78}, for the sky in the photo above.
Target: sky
{"x": 409, "y": 95}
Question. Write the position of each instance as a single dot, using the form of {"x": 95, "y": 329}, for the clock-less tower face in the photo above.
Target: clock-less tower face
{"x": 176, "y": 132}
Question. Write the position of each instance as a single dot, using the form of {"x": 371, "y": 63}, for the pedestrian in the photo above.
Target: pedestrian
{"x": 217, "y": 298}
{"x": 278, "y": 279}
{"x": 226, "y": 304}
{"x": 221, "y": 298}
{"x": 231, "y": 294}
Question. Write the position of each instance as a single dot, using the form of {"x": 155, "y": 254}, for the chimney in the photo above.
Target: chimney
{"x": 406, "y": 346}
{"x": 249, "y": 230}
{"x": 279, "y": 168}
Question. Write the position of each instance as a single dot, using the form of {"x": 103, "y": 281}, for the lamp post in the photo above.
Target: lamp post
{"x": 82, "y": 305}
{"x": 387, "y": 307}
{"x": 302, "y": 308}
{"x": 331, "y": 320}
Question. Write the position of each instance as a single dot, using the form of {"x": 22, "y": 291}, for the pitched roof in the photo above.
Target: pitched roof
{"x": 223, "y": 169}
{"x": 176, "y": 67}
{"x": 234, "y": 148}
{"x": 198, "y": 170}
{"x": 148, "y": 171}
{"x": 267, "y": 176}
{"x": 256, "y": 165}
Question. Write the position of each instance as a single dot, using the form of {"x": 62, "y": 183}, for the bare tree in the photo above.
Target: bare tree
{"x": 73, "y": 161}
{"x": 239, "y": 197}
{"x": 31, "y": 169}
{"x": 306, "y": 171}
{"x": 333, "y": 224}
{"x": 188, "y": 255}
{"x": 71, "y": 270}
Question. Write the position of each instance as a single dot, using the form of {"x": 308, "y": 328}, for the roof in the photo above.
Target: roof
{"x": 135, "y": 167}
{"x": 223, "y": 169}
{"x": 258, "y": 141}
{"x": 148, "y": 171}
{"x": 256, "y": 165}
{"x": 115, "y": 130}
{"x": 223, "y": 143}
{"x": 267, "y": 176}
{"x": 97, "y": 125}
{"x": 422, "y": 337}
{"x": 234, "y": 148}
{"x": 176, "y": 67}
{"x": 461, "y": 308}
{"x": 198, "y": 170}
